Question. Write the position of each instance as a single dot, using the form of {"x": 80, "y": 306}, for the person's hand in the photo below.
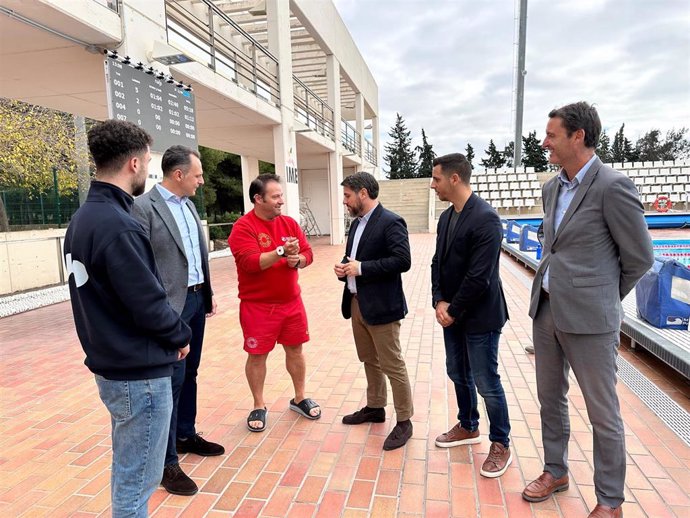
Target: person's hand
{"x": 293, "y": 260}
{"x": 339, "y": 270}
{"x": 214, "y": 308}
{"x": 442, "y": 316}
{"x": 351, "y": 268}
{"x": 182, "y": 353}
{"x": 291, "y": 246}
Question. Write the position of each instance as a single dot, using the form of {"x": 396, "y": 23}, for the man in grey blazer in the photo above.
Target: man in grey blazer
{"x": 179, "y": 246}
{"x": 596, "y": 247}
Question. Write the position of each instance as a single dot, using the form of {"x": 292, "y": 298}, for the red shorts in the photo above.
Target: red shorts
{"x": 265, "y": 324}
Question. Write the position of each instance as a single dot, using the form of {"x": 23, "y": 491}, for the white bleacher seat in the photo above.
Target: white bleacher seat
{"x": 502, "y": 178}
{"x": 514, "y": 185}
{"x": 494, "y": 195}
{"x": 645, "y": 189}
{"x": 508, "y": 203}
{"x": 678, "y": 187}
{"x": 675, "y": 197}
{"x": 535, "y": 184}
{"x": 493, "y": 186}
{"x": 483, "y": 186}
{"x": 650, "y": 180}
{"x": 529, "y": 169}
{"x": 503, "y": 186}
{"x": 521, "y": 177}
{"x": 682, "y": 178}
{"x": 524, "y": 185}
{"x": 518, "y": 202}
{"x": 649, "y": 198}
{"x": 529, "y": 202}
{"x": 515, "y": 193}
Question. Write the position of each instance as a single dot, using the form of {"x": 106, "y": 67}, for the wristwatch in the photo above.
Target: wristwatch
{"x": 280, "y": 251}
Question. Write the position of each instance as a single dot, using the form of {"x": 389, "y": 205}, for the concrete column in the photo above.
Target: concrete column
{"x": 250, "y": 170}
{"x": 376, "y": 144}
{"x": 284, "y": 144}
{"x": 335, "y": 161}
{"x": 359, "y": 121}
{"x": 139, "y": 18}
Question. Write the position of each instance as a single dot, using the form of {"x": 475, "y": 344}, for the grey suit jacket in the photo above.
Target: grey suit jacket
{"x": 600, "y": 251}
{"x": 154, "y": 214}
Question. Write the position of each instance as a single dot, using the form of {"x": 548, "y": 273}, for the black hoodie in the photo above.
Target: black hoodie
{"x": 125, "y": 324}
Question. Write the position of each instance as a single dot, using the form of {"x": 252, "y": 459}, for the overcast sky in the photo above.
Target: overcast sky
{"x": 447, "y": 65}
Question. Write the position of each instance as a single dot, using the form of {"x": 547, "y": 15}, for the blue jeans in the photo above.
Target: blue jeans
{"x": 184, "y": 377}
{"x": 472, "y": 365}
{"x": 140, "y": 416}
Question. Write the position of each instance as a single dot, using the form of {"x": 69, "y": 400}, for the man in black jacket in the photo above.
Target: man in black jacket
{"x": 469, "y": 302}
{"x": 129, "y": 332}
{"x": 377, "y": 252}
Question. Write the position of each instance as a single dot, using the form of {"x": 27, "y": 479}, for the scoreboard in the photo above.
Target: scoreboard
{"x": 164, "y": 110}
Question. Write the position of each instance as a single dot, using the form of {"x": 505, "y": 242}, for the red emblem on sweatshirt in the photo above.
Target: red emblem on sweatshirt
{"x": 264, "y": 240}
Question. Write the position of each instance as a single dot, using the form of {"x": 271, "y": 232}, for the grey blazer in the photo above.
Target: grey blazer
{"x": 600, "y": 251}
{"x": 153, "y": 213}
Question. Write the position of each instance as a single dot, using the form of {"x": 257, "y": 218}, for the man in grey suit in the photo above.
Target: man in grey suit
{"x": 596, "y": 247}
{"x": 179, "y": 246}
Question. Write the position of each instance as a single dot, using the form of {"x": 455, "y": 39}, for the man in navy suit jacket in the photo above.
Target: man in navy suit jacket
{"x": 377, "y": 252}
{"x": 469, "y": 302}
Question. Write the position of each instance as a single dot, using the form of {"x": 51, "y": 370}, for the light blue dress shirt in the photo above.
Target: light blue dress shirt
{"x": 363, "y": 220}
{"x": 566, "y": 193}
{"x": 189, "y": 232}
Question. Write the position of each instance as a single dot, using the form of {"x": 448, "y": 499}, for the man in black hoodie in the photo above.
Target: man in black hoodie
{"x": 129, "y": 332}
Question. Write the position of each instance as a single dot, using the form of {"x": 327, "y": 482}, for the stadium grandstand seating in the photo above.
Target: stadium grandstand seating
{"x": 515, "y": 192}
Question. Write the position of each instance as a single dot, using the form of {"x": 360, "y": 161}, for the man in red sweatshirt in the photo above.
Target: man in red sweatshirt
{"x": 269, "y": 248}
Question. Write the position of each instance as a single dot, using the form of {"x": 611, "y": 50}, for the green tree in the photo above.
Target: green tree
{"x": 494, "y": 158}
{"x": 533, "y": 155}
{"x": 509, "y": 154}
{"x": 37, "y": 150}
{"x": 469, "y": 154}
{"x": 604, "y": 148}
{"x": 618, "y": 147}
{"x": 676, "y": 146}
{"x": 399, "y": 155}
{"x": 426, "y": 158}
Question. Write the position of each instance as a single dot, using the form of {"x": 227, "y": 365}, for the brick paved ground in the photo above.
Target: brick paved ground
{"x": 54, "y": 445}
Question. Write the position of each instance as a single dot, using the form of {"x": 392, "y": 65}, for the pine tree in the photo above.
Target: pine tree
{"x": 426, "y": 158}
{"x": 618, "y": 147}
{"x": 604, "y": 148}
{"x": 469, "y": 154}
{"x": 533, "y": 154}
{"x": 399, "y": 155}
{"x": 509, "y": 154}
{"x": 494, "y": 159}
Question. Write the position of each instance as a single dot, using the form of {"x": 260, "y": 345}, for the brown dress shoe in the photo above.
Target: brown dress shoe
{"x": 542, "y": 488}
{"x": 603, "y": 511}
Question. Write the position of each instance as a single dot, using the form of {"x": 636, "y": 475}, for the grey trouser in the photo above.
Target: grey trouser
{"x": 593, "y": 360}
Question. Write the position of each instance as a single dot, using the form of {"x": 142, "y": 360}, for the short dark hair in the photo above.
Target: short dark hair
{"x": 455, "y": 163}
{"x": 113, "y": 142}
{"x": 258, "y": 185}
{"x": 577, "y": 116}
{"x": 362, "y": 180}
{"x": 177, "y": 157}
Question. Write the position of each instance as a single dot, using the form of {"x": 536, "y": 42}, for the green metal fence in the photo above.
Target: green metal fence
{"x": 27, "y": 208}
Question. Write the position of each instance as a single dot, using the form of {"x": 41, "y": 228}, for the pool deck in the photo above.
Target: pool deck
{"x": 55, "y": 442}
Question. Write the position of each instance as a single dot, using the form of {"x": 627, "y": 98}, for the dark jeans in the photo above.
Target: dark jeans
{"x": 184, "y": 377}
{"x": 472, "y": 365}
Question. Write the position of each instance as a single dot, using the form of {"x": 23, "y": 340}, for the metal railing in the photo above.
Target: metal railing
{"x": 312, "y": 111}
{"x": 349, "y": 137}
{"x": 246, "y": 62}
{"x": 370, "y": 152}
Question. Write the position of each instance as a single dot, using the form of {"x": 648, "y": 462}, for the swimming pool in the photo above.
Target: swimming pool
{"x": 678, "y": 249}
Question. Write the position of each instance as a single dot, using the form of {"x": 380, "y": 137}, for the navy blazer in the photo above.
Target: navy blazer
{"x": 465, "y": 268}
{"x": 384, "y": 251}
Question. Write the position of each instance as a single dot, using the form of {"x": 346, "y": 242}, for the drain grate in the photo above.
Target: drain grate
{"x": 670, "y": 412}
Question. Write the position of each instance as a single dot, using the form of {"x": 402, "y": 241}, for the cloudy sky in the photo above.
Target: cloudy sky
{"x": 447, "y": 65}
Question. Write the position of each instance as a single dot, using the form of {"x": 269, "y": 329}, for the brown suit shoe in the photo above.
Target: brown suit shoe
{"x": 603, "y": 511}
{"x": 542, "y": 488}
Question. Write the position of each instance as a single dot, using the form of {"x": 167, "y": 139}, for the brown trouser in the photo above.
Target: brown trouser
{"x": 378, "y": 347}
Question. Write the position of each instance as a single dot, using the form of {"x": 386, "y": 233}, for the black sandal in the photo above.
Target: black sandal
{"x": 257, "y": 415}
{"x": 304, "y": 408}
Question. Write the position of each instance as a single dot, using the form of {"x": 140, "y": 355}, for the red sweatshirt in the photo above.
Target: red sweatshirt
{"x": 252, "y": 236}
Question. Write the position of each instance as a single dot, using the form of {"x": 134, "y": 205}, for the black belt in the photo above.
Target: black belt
{"x": 195, "y": 288}
{"x": 545, "y": 294}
